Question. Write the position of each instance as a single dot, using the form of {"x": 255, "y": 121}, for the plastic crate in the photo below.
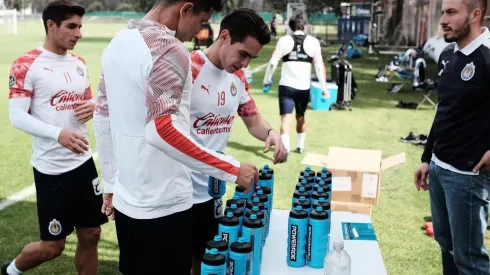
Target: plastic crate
{"x": 318, "y": 101}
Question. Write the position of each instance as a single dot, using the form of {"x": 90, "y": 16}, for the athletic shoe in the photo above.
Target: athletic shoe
{"x": 411, "y": 138}
{"x": 300, "y": 150}
{"x": 4, "y": 269}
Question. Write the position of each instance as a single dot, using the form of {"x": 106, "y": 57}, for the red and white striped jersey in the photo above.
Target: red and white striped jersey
{"x": 217, "y": 97}
{"x": 45, "y": 89}
{"x": 142, "y": 124}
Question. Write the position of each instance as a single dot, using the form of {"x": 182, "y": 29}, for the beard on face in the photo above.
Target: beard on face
{"x": 459, "y": 33}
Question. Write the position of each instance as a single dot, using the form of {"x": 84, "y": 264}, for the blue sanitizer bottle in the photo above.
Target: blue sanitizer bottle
{"x": 303, "y": 183}
{"x": 252, "y": 232}
{"x": 319, "y": 194}
{"x": 256, "y": 202}
{"x": 237, "y": 212}
{"x": 239, "y": 260}
{"x": 324, "y": 204}
{"x": 240, "y": 202}
{"x": 216, "y": 187}
{"x": 260, "y": 215}
{"x": 304, "y": 203}
{"x": 265, "y": 179}
{"x": 263, "y": 198}
{"x": 213, "y": 263}
{"x": 268, "y": 192}
{"x": 300, "y": 193}
{"x": 240, "y": 193}
{"x": 307, "y": 170}
{"x": 270, "y": 171}
{"x": 317, "y": 238}
{"x": 308, "y": 177}
{"x": 325, "y": 171}
{"x": 218, "y": 244}
{"x": 229, "y": 228}
{"x": 297, "y": 229}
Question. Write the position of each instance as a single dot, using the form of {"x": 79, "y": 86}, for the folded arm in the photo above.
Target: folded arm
{"x": 22, "y": 120}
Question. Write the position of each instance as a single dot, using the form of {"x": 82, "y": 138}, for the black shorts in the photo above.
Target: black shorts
{"x": 290, "y": 98}
{"x": 155, "y": 246}
{"x": 205, "y": 218}
{"x": 67, "y": 201}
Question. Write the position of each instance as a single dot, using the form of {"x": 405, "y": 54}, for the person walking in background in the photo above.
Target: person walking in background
{"x": 142, "y": 128}
{"x": 297, "y": 52}
{"x": 273, "y": 27}
{"x": 456, "y": 159}
{"x": 51, "y": 99}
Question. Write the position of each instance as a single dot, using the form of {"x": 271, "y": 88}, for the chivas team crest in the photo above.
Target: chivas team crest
{"x": 468, "y": 72}
{"x": 233, "y": 89}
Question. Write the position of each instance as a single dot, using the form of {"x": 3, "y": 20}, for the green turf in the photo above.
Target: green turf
{"x": 374, "y": 123}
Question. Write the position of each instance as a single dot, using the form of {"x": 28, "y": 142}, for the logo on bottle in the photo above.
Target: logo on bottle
{"x": 309, "y": 240}
{"x": 225, "y": 236}
{"x": 293, "y": 243}
{"x": 215, "y": 186}
{"x": 231, "y": 267}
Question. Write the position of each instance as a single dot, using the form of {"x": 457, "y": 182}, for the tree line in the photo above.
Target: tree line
{"x": 279, "y": 6}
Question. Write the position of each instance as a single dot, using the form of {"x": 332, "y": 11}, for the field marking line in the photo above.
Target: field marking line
{"x": 260, "y": 67}
{"x": 24, "y": 193}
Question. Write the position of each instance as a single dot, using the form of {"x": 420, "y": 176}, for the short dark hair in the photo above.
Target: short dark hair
{"x": 199, "y": 5}
{"x": 477, "y": 4}
{"x": 61, "y": 10}
{"x": 244, "y": 22}
{"x": 297, "y": 23}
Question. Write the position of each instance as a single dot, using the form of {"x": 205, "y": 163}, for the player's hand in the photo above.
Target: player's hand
{"x": 326, "y": 94}
{"x": 73, "y": 141}
{"x": 248, "y": 176}
{"x": 85, "y": 111}
{"x": 420, "y": 177}
{"x": 274, "y": 139}
{"x": 107, "y": 208}
{"x": 484, "y": 162}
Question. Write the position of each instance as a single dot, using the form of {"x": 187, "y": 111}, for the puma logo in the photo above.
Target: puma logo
{"x": 205, "y": 89}
{"x": 443, "y": 64}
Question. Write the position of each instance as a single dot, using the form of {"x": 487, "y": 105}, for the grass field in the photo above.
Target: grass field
{"x": 374, "y": 123}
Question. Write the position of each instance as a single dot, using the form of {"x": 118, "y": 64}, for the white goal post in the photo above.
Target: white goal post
{"x": 8, "y": 21}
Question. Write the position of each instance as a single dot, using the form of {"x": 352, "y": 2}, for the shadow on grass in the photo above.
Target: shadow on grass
{"x": 256, "y": 150}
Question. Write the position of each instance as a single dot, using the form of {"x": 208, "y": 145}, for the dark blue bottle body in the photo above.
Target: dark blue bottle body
{"x": 297, "y": 230}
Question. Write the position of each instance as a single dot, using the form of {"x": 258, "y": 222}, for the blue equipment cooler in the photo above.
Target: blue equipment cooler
{"x": 318, "y": 102}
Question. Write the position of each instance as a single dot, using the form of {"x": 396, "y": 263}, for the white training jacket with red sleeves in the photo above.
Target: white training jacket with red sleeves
{"x": 142, "y": 124}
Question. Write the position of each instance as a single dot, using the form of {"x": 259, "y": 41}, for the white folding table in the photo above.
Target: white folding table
{"x": 365, "y": 256}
